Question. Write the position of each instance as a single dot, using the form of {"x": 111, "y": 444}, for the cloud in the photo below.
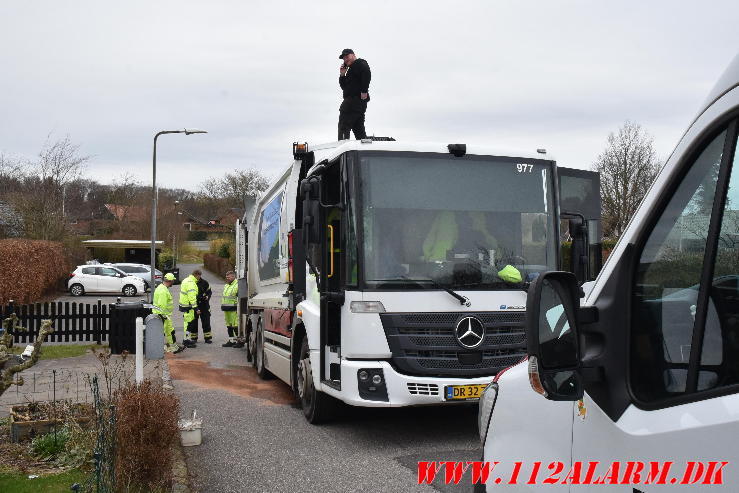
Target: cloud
{"x": 259, "y": 75}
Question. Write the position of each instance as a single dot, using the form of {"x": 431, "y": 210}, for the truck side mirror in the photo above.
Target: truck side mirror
{"x": 310, "y": 191}
{"x": 552, "y": 336}
{"x": 579, "y": 259}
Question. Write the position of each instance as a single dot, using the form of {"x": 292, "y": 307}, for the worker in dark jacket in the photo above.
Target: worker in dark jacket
{"x": 204, "y": 294}
{"x": 354, "y": 79}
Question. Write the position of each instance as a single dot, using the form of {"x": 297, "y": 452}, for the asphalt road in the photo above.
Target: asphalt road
{"x": 255, "y": 437}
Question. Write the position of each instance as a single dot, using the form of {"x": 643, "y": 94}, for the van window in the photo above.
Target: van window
{"x": 668, "y": 280}
{"x": 269, "y": 239}
{"x": 720, "y": 355}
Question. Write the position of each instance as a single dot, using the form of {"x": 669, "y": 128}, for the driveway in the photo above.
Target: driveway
{"x": 255, "y": 437}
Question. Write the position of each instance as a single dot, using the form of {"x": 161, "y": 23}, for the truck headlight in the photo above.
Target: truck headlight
{"x": 367, "y": 307}
{"x": 485, "y": 409}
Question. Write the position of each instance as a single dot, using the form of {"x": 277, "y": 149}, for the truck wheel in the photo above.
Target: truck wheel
{"x": 129, "y": 290}
{"x": 263, "y": 372}
{"x": 317, "y": 406}
{"x": 76, "y": 290}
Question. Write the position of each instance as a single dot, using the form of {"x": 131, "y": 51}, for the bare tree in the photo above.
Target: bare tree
{"x": 627, "y": 169}
{"x": 234, "y": 187}
{"x": 126, "y": 192}
{"x": 40, "y": 199}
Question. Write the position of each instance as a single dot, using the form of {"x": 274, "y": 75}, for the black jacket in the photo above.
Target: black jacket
{"x": 357, "y": 79}
{"x": 204, "y": 294}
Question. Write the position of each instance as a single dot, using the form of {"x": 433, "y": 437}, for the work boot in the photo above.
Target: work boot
{"x": 179, "y": 349}
{"x": 228, "y": 344}
{"x": 239, "y": 344}
{"x": 209, "y": 341}
{"x": 190, "y": 344}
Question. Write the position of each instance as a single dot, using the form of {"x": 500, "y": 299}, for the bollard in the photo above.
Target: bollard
{"x": 139, "y": 350}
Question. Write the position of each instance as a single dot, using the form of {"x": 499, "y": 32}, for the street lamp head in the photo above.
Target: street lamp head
{"x": 189, "y": 131}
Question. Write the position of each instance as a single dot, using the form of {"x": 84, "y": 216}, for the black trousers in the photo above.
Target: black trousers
{"x": 192, "y": 328}
{"x": 351, "y": 118}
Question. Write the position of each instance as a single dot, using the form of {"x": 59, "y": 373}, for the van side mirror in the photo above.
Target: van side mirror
{"x": 552, "y": 336}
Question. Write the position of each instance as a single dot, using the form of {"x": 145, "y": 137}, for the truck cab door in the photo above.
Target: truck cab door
{"x": 323, "y": 237}
{"x": 662, "y": 379}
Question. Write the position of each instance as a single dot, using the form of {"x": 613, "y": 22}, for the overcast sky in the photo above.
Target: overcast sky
{"x": 258, "y": 75}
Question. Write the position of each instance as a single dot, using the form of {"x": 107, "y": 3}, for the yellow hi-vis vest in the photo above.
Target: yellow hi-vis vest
{"x": 189, "y": 293}
{"x": 163, "y": 301}
{"x": 230, "y": 293}
{"x": 441, "y": 238}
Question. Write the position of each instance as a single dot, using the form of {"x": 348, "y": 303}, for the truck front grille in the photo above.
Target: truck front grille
{"x": 425, "y": 344}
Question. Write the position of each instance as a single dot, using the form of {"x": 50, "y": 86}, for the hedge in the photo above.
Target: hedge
{"x": 217, "y": 265}
{"x": 30, "y": 268}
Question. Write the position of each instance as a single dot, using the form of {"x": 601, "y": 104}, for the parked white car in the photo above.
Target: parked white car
{"x": 140, "y": 270}
{"x": 103, "y": 279}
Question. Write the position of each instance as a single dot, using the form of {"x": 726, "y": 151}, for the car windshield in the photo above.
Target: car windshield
{"x": 457, "y": 222}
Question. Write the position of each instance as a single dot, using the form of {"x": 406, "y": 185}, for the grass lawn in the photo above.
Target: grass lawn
{"x": 48, "y": 483}
{"x": 59, "y": 351}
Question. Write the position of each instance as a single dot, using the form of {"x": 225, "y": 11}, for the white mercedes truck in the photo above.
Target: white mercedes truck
{"x": 381, "y": 273}
{"x": 635, "y": 387}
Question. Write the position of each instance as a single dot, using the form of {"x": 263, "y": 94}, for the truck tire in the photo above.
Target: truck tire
{"x": 76, "y": 290}
{"x": 317, "y": 406}
{"x": 263, "y": 372}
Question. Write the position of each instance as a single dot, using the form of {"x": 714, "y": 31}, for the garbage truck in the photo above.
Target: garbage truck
{"x": 382, "y": 273}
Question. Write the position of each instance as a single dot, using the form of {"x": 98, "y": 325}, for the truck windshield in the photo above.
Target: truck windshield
{"x": 457, "y": 221}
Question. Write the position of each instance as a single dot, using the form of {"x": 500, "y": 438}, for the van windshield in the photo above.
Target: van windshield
{"x": 458, "y": 222}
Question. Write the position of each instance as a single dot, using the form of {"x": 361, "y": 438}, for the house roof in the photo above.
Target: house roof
{"x": 130, "y": 212}
{"x": 120, "y": 243}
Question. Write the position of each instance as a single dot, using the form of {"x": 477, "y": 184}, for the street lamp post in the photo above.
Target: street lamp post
{"x": 186, "y": 131}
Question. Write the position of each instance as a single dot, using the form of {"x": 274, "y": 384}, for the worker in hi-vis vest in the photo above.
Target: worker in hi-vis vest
{"x": 189, "y": 305}
{"x": 164, "y": 306}
{"x": 229, "y": 305}
{"x": 444, "y": 236}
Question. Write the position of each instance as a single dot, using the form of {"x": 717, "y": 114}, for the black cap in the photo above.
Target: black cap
{"x": 345, "y": 52}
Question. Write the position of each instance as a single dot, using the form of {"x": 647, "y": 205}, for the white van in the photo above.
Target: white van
{"x": 642, "y": 375}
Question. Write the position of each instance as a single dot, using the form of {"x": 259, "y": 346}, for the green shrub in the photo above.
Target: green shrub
{"x": 224, "y": 251}
{"x": 165, "y": 259}
{"x": 223, "y": 247}
{"x": 47, "y": 447}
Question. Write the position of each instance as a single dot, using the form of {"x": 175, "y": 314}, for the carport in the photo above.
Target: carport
{"x": 134, "y": 251}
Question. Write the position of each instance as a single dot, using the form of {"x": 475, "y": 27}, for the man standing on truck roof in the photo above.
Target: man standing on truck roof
{"x": 354, "y": 79}
{"x": 189, "y": 305}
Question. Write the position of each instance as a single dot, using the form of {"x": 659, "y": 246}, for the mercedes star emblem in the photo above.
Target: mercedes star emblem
{"x": 470, "y": 332}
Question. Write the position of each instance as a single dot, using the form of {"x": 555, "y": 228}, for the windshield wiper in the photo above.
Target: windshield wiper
{"x": 463, "y": 300}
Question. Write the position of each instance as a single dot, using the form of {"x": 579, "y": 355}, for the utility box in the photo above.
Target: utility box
{"x": 154, "y": 337}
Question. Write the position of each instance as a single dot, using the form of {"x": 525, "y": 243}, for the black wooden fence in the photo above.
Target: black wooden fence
{"x": 77, "y": 322}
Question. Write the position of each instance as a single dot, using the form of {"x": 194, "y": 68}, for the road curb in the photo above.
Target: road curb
{"x": 180, "y": 476}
